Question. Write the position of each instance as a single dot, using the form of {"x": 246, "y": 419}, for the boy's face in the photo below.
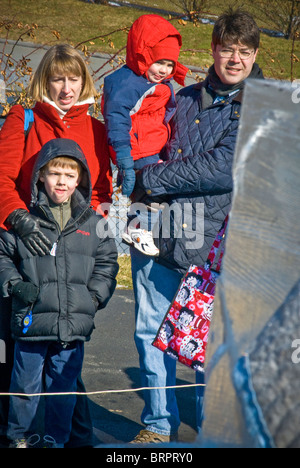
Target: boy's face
{"x": 159, "y": 71}
{"x": 60, "y": 183}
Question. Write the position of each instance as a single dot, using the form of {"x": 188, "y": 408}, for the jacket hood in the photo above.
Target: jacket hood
{"x": 153, "y": 38}
{"x": 53, "y": 149}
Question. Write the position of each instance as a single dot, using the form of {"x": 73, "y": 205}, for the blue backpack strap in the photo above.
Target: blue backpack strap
{"x": 28, "y": 119}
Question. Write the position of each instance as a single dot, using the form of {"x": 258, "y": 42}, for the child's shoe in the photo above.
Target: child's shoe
{"x": 142, "y": 240}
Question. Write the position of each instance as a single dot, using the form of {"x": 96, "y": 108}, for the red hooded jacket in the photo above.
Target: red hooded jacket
{"x": 18, "y": 155}
{"x": 153, "y": 38}
{"x": 136, "y": 111}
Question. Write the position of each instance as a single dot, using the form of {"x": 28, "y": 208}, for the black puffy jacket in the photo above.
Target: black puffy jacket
{"x": 81, "y": 273}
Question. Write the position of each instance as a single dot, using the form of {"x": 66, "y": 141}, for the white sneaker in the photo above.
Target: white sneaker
{"x": 142, "y": 240}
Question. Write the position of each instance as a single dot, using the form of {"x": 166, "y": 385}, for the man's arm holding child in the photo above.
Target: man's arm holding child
{"x": 209, "y": 172}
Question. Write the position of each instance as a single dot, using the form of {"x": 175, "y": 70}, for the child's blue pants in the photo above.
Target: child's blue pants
{"x": 48, "y": 367}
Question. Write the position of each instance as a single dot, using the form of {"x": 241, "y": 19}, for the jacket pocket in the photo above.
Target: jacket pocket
{"x": 91, "y": 304}
{"x": 82, "y": 301}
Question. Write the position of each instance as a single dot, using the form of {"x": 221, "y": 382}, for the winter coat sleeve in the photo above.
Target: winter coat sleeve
{"x": 103, "y": 280}
{"x": 103, "y": 189}
{"x": 118, "y": 102}
{"x": 12, "y": 143}
{"x": 123, "y": 94}
{"x": 8, "y": 261}
{"x": 207, "y": 173}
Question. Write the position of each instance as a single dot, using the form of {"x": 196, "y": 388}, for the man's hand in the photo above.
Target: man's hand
{"x": 28, "y": 228}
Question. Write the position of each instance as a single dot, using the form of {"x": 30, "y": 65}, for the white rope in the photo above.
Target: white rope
{"x": 102, "y": 392}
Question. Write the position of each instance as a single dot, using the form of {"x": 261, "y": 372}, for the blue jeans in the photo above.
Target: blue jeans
{"x": 58, "y": 368}
{"x": 155, "y": 287}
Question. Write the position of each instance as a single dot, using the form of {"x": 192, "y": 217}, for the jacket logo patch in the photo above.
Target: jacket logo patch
{"x": 84, "y": 233}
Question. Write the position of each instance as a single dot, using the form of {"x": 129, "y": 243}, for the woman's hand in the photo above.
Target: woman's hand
{"x": 28, "y": 228}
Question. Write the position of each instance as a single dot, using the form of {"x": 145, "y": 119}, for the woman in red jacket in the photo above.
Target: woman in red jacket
{"x": 63, "y": 91}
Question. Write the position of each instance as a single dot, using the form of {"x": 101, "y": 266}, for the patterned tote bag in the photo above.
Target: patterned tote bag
{"x": 183, "y": 334}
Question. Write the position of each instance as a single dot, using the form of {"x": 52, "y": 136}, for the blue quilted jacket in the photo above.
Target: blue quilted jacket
{"x": 196, "y": 178}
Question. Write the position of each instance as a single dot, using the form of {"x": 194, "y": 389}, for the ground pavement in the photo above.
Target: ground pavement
{"x": 111, "y": 362}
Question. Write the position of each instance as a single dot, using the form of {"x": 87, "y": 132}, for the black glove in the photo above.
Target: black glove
{"x": 26, "y": 292}
{"x": 28, "y": 229}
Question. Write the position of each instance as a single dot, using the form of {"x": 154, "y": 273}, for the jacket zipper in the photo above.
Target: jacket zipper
{"x": 61, "y": 217}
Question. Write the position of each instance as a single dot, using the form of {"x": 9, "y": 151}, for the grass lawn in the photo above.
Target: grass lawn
{"x": 75, "y": 21}
{"x": 124, "y": 276}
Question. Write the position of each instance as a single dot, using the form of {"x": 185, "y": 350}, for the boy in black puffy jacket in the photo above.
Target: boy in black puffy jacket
{"x": 55, "y": 297}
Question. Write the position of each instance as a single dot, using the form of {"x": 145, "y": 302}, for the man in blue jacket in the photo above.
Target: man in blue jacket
{"x": 196, "y": 182}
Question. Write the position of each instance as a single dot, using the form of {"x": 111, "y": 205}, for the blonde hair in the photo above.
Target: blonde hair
{"x": 63, "y": 162}
{"x": 61, "y": 59}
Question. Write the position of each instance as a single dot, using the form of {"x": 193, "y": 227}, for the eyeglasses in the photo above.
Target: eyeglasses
{"x": 229, "y": 53}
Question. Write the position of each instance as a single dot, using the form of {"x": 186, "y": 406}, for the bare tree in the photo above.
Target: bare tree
{"x": 192, "y": 8}
{"x": 283, "y": 15}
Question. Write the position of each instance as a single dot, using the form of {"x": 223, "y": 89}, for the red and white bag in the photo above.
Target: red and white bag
{"x": 184, "y": 332}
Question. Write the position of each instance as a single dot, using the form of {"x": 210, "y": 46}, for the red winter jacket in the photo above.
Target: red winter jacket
{"x": 136, "y": 111}
{"x": 17, "y": 156}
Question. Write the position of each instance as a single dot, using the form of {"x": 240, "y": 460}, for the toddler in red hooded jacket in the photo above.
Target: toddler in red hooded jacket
{"x": 138, "y": 104}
